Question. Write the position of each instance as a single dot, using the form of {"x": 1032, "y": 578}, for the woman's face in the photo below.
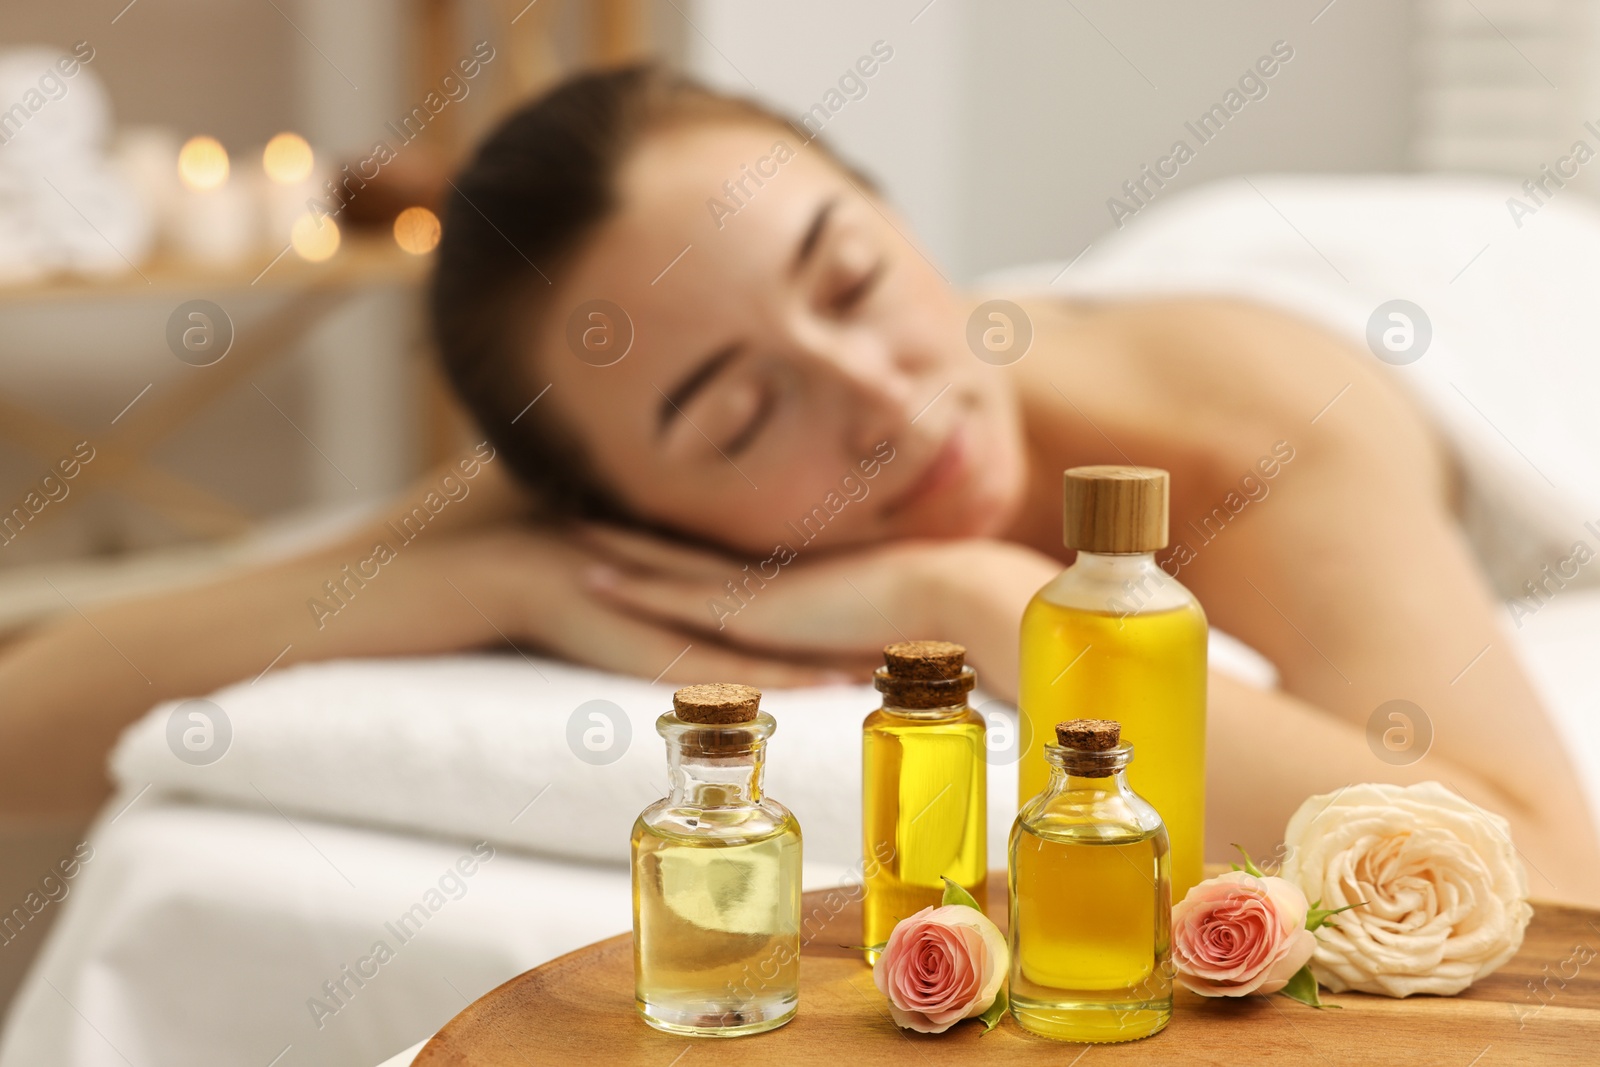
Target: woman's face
{"x": 798, "y": 371}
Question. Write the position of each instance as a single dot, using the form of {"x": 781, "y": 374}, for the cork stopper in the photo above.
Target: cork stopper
{"x": 717, "y": 704}
{"x": 1115, "y": 509}
{"x": 1091, "y": 748}
{"x": 924, "y": 674}
{"x": 1089, "y": 735}
{"x": 924, "y": 659}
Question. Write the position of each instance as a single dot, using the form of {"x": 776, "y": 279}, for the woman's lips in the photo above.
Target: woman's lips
{"x": 948, "y": 466}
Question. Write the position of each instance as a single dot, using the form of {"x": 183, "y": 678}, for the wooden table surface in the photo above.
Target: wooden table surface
{"x": 1541, "y": 1008}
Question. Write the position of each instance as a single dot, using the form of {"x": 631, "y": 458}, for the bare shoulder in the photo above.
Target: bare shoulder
{"x": 1212, "y": 368}
{"x": 1235, "y": 353}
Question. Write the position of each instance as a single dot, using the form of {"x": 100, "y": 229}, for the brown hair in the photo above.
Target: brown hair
{"x": 516, "y": 215}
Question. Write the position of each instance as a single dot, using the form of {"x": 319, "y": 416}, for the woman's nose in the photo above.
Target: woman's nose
{"x": 878, "y": 395}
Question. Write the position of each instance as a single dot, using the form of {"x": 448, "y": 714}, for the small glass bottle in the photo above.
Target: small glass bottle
{"x": 716, "y": 876}
{"x": 1091, "y": 898}
{"x": 923, "y": 787}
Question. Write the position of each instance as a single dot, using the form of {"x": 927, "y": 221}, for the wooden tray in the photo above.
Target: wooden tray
{"x": 579, "y": 1009}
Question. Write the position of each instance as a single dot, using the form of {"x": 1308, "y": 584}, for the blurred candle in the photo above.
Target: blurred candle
{"x": 215, "y": 221}
{"x": 145, "y": 154}
{"x": 287, "y": 159}
{"x": 313, "y": 238}
{"x": 416, "y": 229}
{"x": 288, "y": 163}
{"x": 203, "y": 163}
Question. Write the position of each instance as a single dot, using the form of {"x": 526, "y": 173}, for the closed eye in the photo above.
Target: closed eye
{"x": 745, "y": 437}
{"x": 853, "y": 294}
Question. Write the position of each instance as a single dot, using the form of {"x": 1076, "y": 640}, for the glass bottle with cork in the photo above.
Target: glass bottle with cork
{"x": 924, "y": 787}
{"x": 1091, "y": 901}
{"x": 1114, "y": 630}
{"x": 716, "y": 876}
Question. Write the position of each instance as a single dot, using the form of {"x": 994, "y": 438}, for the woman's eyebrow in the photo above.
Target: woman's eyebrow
{"x": 697, "y": 379}
{"x": 813, "y": 237}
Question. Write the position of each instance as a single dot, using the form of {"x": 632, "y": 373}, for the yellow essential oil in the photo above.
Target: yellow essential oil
{"x": 1116, "y": 631}
{"x": 1090, "y": 898}
{"x": 716, "y": 877}
{"x": 924, "y": 787}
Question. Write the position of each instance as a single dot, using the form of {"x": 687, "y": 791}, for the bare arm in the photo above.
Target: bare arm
{"x": 73, "y": 684}
{"x": 1352, "y": 575}
{"x": 77, "y": 682}
{"x": 474, "y": 577}
{"x": 1267, "y": 751}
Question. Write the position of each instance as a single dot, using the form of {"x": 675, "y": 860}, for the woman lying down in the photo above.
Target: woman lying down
{"x": 785, "y": 343}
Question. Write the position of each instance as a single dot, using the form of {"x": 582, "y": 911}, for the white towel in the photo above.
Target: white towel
{"x": 63, "y": 206}
{"x": 507, "y": 750}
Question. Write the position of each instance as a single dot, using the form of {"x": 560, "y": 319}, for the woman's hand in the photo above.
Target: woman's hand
{"x": 844, "y": 606}
{"x": 547, "y": 600}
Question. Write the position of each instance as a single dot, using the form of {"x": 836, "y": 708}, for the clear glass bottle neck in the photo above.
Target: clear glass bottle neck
{"x": 1117, "y": 567}
{"x": 1066, "y": 771}
{"x": 1131, "y": 583}
{"x": 701, "y": 781}
{"x": 1114, "y": 561}
{"x": 715, "y": 766}
{"x": 953, "y": 711}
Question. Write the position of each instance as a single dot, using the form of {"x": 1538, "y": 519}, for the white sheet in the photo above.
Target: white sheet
{"x": 196, "y": 936}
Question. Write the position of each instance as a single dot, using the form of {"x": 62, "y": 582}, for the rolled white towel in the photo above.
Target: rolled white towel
{"x": 46, "y": 115}
{"x": 533, "y": 754}
{"x": 63, "y": 207}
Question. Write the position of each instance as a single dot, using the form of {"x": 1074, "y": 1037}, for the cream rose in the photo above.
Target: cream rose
{"x": 1444, "y": 895}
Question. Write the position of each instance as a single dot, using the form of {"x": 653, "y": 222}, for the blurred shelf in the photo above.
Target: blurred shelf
{"x": 363, "y": 260}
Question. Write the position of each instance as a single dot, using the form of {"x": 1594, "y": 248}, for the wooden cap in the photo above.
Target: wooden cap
{"x": 1115, "y": 509}
{"x": 717, "y": 704}
{"x": 924, "y": 659}
{"x": 1089, "y": 735}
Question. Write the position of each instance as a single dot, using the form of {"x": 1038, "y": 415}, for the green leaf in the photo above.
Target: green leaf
{"x": 1316, "y": 917}
{"x": 991, "y": 1018}
{"x": 1249, "y": 864}
{"x": 1303, "y": 987}
{"x": 954, "y": 894}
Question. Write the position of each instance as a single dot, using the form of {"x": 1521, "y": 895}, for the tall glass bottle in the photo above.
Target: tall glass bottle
{"x": 1091, "y": 902}
{"x": 924, "y": 800}
{"x": 716, "y": 876}
{"x": 1116, "y": 631}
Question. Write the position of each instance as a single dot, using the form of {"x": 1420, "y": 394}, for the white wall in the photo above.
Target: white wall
{"x": 1002, "y": 128}
{"x": 906, "y": 132}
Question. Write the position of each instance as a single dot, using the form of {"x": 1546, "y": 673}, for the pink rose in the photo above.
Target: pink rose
{"x": 940, "y": 966}
{"x": 1240, "y": 933}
